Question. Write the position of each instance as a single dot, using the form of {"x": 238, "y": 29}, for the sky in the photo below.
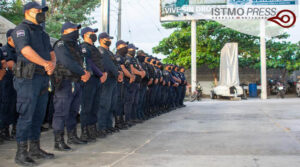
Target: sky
{"x": 141, "y": 24}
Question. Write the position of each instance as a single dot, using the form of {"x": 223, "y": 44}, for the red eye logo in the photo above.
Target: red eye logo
{"x": 284, "y": 18}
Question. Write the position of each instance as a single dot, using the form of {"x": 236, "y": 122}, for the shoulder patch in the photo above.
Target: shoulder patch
{"x": 60, "y": 43}
{"x": 20, "y": 33}
{"x": 4, "y": 53}
{"x": 83, "y": 50}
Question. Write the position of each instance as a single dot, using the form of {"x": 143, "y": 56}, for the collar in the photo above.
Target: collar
{"x": 32, "y": 24}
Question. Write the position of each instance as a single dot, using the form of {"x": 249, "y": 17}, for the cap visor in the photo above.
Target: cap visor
{"x": 95, "y": 30}
{"x": 78, "y": 26}
{"x": 45, "y": 9}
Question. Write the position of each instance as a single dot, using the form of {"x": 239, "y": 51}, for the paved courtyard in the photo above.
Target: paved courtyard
{"x": 249, "y": 133}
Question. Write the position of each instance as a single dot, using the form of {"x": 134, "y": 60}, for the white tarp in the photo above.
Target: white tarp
{"x": 229, "y": 65}
{"x": 229, "y": 70}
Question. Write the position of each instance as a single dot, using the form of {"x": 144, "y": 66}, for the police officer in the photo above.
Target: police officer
{"x": 2, "y": 74}
{"x": 139, "y": 73}
{"x": 149, "y": 105}
{"x": 183, "y": 85}
{"x": 9, "y": 95}
{"x": 122, "y": 50}
{"x": 92, "y": 89}
{"x": 166, "y": 87}
{"x": 175, "y": 83}
{"x": 36, "y": 59}
{"x": 71, "y": 70}
{"x": 114, "y": 74}
{"x": 143, "y": 85}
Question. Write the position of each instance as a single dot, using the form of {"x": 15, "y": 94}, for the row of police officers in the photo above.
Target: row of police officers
{"x": 109, "y": 92}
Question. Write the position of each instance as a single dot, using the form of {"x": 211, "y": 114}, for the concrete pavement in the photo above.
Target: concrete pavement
{"x": 249, "y": 133}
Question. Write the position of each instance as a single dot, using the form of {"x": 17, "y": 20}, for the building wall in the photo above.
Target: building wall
{"x": 246, "y": 75}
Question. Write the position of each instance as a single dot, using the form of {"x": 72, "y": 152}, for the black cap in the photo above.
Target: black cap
{"x": 141, "y": 53}
{"x": 8, "y": 33}
{"x": 35, "y": 5}
{"x": 104, "y": 35}
{"x": 68, "y": 25}
{"x": 131, "y": 46}
{"x": 88, "y": 29}
{"x": 120, "y": 42}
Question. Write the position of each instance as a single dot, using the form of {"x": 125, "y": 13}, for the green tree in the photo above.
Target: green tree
{"x": 211, "y": 37}
{"x": 77, "y": 11}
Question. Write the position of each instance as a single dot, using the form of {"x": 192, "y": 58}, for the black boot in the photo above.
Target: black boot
{"x": 4, "y": 134}
{"x": 73, "y": 139}
{"x": 22, "y": 157}
{"x": 60, "y": 144}
{"x": 85, "y": 135}
{"x": 92, "y": 131}
{"x": 101, "y": 134}
{"x": 35, "y": 151}
{"x": 13, "y": 132}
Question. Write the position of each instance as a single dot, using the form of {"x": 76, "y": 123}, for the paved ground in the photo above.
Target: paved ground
{"x": 250, "y": 133}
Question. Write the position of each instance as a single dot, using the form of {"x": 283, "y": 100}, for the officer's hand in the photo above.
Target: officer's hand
{"x": 104, "y": 77}
{"x": 143, "y": 74}
{"x": 52, "y": 70}
{"x": 164, "y": 83}
{"x": 156, "y": 81}
{"x": 150, "y": 81}
{"x": 49, "y": 67}
{"x": 4, "y": 64}
{"x": 86, "y": 76}
{"x": 169, "y": 83}
{"x": 132, "y": 78}
{"x": 2, "y": 73}
{"x": 120, "y": 77}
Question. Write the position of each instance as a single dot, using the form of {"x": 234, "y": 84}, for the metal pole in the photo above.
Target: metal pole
{"x": 194, "y": 50}
{"x": 105, "y": 15}
{"x": 263, "y": 67}
{"x": 120, "y": 21}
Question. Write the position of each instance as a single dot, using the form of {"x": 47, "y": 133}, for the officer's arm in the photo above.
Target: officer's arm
{"x": 64, "y": 57}
{"x": 94, "y": 68}
{"x": 126, "y": 72}
{"x": 53, "y": 57}
{"x": 32, "y": 56}
{"x": 135, "y": 71}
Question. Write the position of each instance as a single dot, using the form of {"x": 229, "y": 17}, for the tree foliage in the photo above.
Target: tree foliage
{"x": 212, "y": 36}
{"x": 77, "y": 11}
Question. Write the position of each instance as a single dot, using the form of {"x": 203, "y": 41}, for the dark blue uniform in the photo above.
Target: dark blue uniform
{"x": 142, "y": 91}
{"x": 9, "y": 94}
{"x": 32, "y": 92}
{"x": 105, "y": 113}
{"x": 67, "y": 97}
{"x": 2, "y": 114}
{"x": 183, "y": 88}
{"x": 92, "y": 89}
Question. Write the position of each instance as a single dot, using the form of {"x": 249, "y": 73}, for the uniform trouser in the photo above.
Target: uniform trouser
{"x": 142, "y": 101}
{"x": 136, "y": 97}
{"x": 172, "y": 96}
{"x": 2, "y": 115}
{"x": 105, "y": 113}
{"x": 158, "y": 95}
{"x": 130, "y": 91}
{"x": 8, "y": 111}
{"x": 67, "y": 100}
{"x": 182, "y": 94}
{"x": 164, "y": 95}
{"x": 153, "y": 95}
{"x": 148, "y": 97}
{"x": 50, "y": 109}
{"x": 118, "y": 102}
{"x": 32, "y": 98}
{"x": 90, "y": 101}
{"x": 178, "y": 94}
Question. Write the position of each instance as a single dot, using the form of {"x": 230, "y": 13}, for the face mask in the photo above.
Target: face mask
{"x": 132, "y": 52}
{"x": 123, "y": 51}
{"x": 107, "y": 43}
{"x": 169, "y": 68}
{"x": 93, "y": 37}
{"x": 141, "y": 58}
{"x": 40, "y": 18}
{"x": 73, "y": 36}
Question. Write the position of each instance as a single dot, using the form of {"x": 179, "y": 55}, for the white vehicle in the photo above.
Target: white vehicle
{"x": 229, "y": 82}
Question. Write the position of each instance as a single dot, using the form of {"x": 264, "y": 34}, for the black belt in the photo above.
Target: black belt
{"x": 40, "y": 71}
